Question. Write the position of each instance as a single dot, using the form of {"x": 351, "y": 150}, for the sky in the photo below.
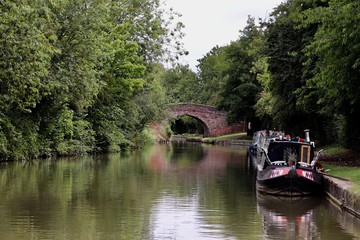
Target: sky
{"x": 209, "y": 23}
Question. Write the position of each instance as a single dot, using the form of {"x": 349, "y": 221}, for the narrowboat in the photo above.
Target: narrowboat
{"x": 285, "y": 166}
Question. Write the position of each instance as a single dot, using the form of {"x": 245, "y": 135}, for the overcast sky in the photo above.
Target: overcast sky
{"x": 215, "y": 22}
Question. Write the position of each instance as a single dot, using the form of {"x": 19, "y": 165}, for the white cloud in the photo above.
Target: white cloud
{"x": 211, "y": 22}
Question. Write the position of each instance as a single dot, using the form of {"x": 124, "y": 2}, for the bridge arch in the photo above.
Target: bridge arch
{"x": 200, "y": 121}
{"x": 213, "y": 121}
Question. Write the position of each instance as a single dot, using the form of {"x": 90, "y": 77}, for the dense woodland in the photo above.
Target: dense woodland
{"x": 85, "y": 76}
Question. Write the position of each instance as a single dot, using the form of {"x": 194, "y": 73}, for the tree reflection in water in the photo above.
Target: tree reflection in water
{"x": 184, "y": 191}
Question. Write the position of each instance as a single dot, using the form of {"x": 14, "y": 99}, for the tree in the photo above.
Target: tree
{"x": 72, "y": 73}
{"x": 137, "y": 36}
{"x": 181, "y": 85}
{"x": 25, "y": 58}
{"x": 289, "y": 73}
{"x": 25, "y": 55}
{"x": 152, "y": 27}
{"x": 240, "y": 89}
{"x": 336, "y": 46}
{"x": 211, "y": 68}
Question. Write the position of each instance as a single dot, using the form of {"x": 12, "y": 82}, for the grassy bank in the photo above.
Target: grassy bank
{"x": 350, "y": 173}
{"x": 230, "y": 137}
{"x": 342, "y": 163}
{"x": 333, "y": 150}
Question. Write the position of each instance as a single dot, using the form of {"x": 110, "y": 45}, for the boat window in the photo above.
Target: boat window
{"x": 283, "y": 152}
{"x": 305, "y": 154}
{"x": 290, "y": 155}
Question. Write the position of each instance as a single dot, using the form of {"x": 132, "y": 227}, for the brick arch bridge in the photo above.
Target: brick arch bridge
{"x": 212, "y": 120}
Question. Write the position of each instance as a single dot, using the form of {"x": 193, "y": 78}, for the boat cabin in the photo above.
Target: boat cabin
{"x": 290, "y": 153}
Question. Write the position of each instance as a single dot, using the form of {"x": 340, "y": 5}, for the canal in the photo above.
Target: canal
{"x": 175, "y": 191}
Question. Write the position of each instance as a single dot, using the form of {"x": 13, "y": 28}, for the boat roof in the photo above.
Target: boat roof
{"x": 264, "y": 137}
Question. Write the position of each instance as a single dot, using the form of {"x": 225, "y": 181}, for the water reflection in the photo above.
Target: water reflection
{"x": 165, "y": 192}
{"x": 305, "y": 218}
{"x": 285, "y": 218}
{"x": 218, "y": 189}
{"x": 346, "y": 223}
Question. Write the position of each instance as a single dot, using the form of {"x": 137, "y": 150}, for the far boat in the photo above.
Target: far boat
{"x": 285, "y": 166}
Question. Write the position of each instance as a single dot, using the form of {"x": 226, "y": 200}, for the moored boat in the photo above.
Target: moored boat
{"x": 285, "y": 166}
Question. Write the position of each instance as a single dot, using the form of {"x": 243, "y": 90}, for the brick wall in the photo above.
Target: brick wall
{"x": 213, "y": 119}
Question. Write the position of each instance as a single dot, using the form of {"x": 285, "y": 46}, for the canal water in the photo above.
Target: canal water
{"x": 178, "y": 191}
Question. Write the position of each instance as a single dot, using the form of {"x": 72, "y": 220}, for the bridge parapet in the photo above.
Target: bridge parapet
{"x": 190, "y": 107}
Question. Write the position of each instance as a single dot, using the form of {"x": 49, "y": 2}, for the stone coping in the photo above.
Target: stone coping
{"x": 340, "y": 192}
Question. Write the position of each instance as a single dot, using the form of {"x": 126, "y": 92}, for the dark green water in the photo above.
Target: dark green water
{"x": 181, "y": 191}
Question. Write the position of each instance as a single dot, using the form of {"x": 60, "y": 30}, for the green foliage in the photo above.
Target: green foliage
{"x": 286, "y": 97}
{"x": 187, "y": 124}
{"x": 285, "y": 62}
{"x": 25, "y": 55}
{"x": 265, "y": 101}
{"x": 158, "y": 38}
{"x": 312, "y": 50}
{"x": 76, "y": 76}
{"x": 151, "y": 101}
{"x": 181, "y": 85}
{"x": 211, "y": 80}
{"x": 70, "y": 134}
{"x": 241, "y": 87}
{"x": 18, "y": 143}
{"x": 336, "y": 46}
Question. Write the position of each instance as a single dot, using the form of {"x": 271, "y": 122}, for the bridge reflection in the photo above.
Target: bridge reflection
{"x": 212, "y": 160}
